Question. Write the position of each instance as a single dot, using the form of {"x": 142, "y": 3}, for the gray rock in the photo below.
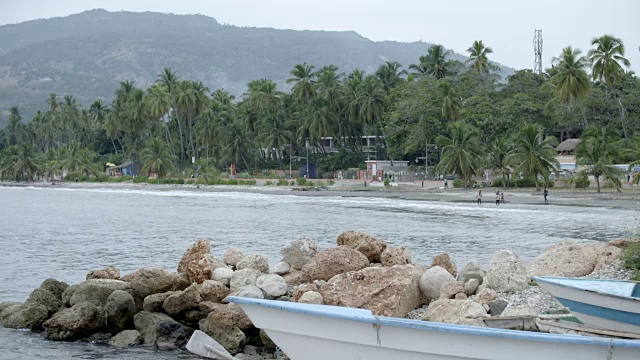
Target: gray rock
{"x": 126, "y": 338}
{"x": 212, "y": 290}
{"x": 282, "y": 268}
{"x": 459, "y": 312}
{"x": 182, "y": 301}
{"x": 299, "y": 252}
{"x": 507, "y": 273}
{"x": 220, "y": 326}
{"x": 432, "y": 280}
{"x": 449, "y": 290}
{"x": 97, "y": 290}
{"x": 471, "y": 286}
{"x": 395, "y": 256}
{"x": 120, "y": 309}
{"x": 160, "y": 330}
{"x": 497, "y": 307}
{"x": 472, "y": 271}
{"x": 97, "y": 338}
{"x": 153, "y": 303}
{"x": 257, "y": 261}
{"x": 74, "y": 323}
{"x": 242, "y": 278}
{"x": 249, "y": 291}
{"x": 266, "y": 340}
{"x": 8, "y": 308}
{"x": 233, "y": 256}
{"x": 368, "y": 245}
{"x": 110, "y": 272}
{"x": 67, "y": 294}
{"x": 311, "y": 297}
{"x": 202, "y": 247}
{"x": 222, "y": 275}
{"x": 46, "y": 298}
{"x": 273, "y": 285}
{"x": 55, "y": 287}
{"x": 24, "y": 316}
{"x": 147, "y": 281}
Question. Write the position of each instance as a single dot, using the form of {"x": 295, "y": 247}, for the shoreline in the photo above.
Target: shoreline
{"x": 629, "y": 198}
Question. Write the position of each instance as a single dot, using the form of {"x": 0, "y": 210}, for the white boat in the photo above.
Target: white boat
{"x": 320, "y": 332}
{"x": 607, "y": 304}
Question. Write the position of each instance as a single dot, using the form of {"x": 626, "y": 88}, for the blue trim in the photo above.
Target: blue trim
{"x": 560, "y": 281}
{"x": 365, "y": 316}
{"x": 601, "y": 312}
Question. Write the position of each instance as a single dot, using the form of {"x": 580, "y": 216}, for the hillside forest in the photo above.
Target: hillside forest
{"x": 472, "y": 119}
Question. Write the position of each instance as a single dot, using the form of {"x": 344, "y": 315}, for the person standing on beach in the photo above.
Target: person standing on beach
{"x": 545, "y": 193}
{"x": 446, "y": 184}
{"x": 497, "y": 197}
{"x": 479, "y": 197}
{"x": 502, "y": 197}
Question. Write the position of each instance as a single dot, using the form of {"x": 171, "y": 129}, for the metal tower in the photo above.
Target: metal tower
{"x": 537, "y": 50}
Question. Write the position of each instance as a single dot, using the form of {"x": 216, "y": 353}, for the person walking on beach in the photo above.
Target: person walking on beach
{"x": 479, "y": 197}
{"x": 446, "y": 184}
{"x": 545, "y": 193}
{"x": 497, "y": 197}
{"x": 502, "y": 198}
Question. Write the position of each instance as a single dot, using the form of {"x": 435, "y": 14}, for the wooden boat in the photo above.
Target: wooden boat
{"x": 607, "y": 304}
{"x": 319, "y": 332}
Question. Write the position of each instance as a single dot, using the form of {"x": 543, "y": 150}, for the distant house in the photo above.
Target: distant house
{"x": 566, "y": 154}
{"x": 128, "y": 168}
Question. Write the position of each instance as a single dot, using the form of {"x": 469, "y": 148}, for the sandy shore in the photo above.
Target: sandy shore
{"x": 629, "y": 198}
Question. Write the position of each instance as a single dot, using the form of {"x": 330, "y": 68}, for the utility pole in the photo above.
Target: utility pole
{"x": 537, "y": 50}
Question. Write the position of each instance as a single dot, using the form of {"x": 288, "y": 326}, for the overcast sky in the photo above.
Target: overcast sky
{"x": 505, "y": 25}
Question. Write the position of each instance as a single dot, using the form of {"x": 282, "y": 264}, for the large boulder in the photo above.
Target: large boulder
{"x": 120, "y": 309}
{"x": 395, "y": 256}
{"x": 55, "y": 287}
{"x": 126, "y": 338}
{"x": 331, "y": 262}
{"x": 201, "y": 247}
{"x": 273, "y": 285}
{"x": 220, "y": 326}
{"x": 242, "y": 278}
{"x": 180, "y": 282}
{"x": 471, "y": 286}
{"x": 182, "y": 301}
{"x": 154, "y": 302}
{"x": 370, "y": 246}
{"x": 311, "y": 297}
{"x": 233, "y": 256}
{"x": 46, "y": 298}
{"x": 222, "y": 275}
{"x": 199, "y": 268}
{"x": 386, "y": 291}
{"x": 23, "y": 316}
{"x": 432, "y": 280}
{"x": 281, "y": 268}
{"x": 160, "y": 330}
{"x": 239, "y": 318}
{"x": 301, "y": 290}
{"x": 444, "y": 261}
{"x": 294, "y": 278}
{"x": 147, "y": 281}
{"x": 110, "y": 272}
{"x": 97, "y": 290}
{"x": 67, "y": 294}
{"x": 256, "y": 261}
{"x": 566, "y": 259}
{"x": 449, "y": 290}
{"x": 299, "y": 252}
{"x": 211, "y": 290}
{"x": 249, "y": 291}
{"x": 472, "y": 270}
{"x": 459, "y": 312}
{"x": 81, "y": 320}
{"x": 507, "y": 273}
{"x": 485, "y": 296}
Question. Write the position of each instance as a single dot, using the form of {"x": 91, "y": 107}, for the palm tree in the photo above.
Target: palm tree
{"x": 156, "y": 158}
{"x": 571, "y": 80}
{"x": 13, "y": 126}
{"x": 206, "y": 169}
{"x": 533, "y": 154}
{"x": 434, "y": 63}
{"x": 26, "y": 164}
{"x": 460, "y": 152}
{"x": 451, "y": 103}
{"x": 274, "y": 133}
{"x": 391, "y": 74}
{"x": 497, "y": 159}
{"x": 607, "y": 60}
{"x": 98, "y": 111}
{"x": 597, "y": 150}
{"x": 303, "y": 79}
{"x": 478, "y": 55}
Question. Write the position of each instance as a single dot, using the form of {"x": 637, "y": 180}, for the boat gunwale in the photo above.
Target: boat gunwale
{"x": 315, "y": 310}
{"x": 549, "y": 280}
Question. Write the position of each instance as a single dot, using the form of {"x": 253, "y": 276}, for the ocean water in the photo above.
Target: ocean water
{"x": 64, "y": 233}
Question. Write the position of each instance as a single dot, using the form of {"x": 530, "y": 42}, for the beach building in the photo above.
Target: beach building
{"x": 378, "y": 169}
{"x": 127, "y": 168}
{"x": 566, "y": 154}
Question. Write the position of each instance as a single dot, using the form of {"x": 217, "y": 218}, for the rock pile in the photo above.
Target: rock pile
{"x": 159, "y": 308}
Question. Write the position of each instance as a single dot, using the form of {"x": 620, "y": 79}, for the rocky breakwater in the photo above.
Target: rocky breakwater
{"x": 158, "y": 308}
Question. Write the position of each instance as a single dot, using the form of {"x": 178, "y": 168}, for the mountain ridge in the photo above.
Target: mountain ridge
{"x": 88, "y": 54}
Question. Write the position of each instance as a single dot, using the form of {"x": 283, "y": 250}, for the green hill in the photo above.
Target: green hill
{"x": 88, "y": 54}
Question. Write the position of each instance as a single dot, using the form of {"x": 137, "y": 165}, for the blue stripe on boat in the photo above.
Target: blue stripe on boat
{"x": 365, "y": 316}
{"x": 602, "y": 312}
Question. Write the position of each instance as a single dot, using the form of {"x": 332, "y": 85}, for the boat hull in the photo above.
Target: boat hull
{"x": 312, "y": 336}
{"x": 597, "y": 309}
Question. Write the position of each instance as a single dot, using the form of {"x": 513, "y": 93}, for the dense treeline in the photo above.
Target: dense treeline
{"x": 477, "y": 121}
